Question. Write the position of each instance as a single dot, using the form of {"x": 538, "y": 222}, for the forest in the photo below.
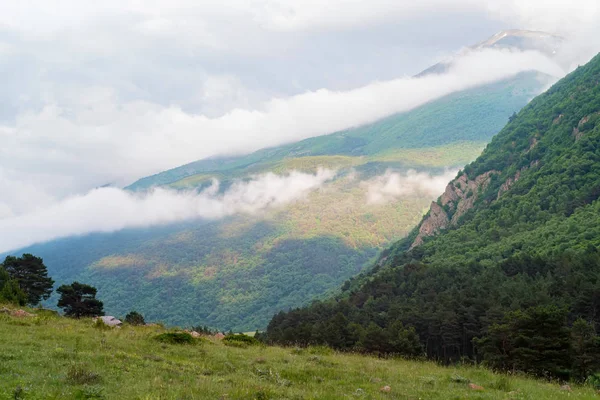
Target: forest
{"x": 513, "y": 281}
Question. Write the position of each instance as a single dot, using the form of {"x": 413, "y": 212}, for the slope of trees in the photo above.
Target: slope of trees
{"x": 515, "y": 283}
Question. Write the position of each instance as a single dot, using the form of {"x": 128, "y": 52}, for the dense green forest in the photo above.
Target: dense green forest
{"x": 509, "y": 272}
{"x": 237, "y": 272}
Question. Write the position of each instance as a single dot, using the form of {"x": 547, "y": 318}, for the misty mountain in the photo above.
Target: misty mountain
{"x": 506, "y": 256}
{"x": 514, "y": 39}
{"x": 238, "y": 271}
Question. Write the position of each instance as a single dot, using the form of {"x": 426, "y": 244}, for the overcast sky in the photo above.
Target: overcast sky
{"x": 111, "y": 91}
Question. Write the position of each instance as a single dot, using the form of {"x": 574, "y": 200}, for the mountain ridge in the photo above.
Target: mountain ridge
{"x": 526, "y": 247}
{"x": 236, "y": 273}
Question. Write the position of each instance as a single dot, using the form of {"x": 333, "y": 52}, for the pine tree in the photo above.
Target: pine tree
{"x": 9, "y": 289}
{"x": 585, "y": 347}
{"x": 79, "y": 300}
{"x": 32, "y": 275}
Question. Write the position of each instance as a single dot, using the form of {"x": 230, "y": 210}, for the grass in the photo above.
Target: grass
{"x": 49, "y": 357}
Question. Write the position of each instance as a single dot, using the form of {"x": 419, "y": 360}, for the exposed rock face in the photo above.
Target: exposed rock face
{"x": 509, "y": 183}
{"x": 458, "y": 198}
{"x": 436, "y": 220}
{"x": 576, "y": 131}
{"x": 557, "y": 119}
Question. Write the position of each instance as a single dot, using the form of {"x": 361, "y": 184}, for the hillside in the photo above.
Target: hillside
{"x": 45, "y": 356}
{"x": 237, "y": 272}
{"x": 506, "y": 256}
{"x": 471, "y": 116}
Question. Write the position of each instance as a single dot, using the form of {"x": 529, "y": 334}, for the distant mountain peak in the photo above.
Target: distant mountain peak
{"x": 522, "y": 39}
{"x": 517, "y": 39}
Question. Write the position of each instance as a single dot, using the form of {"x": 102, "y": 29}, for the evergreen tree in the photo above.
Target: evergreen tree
{"x": 375, "y": 339}
{"x": 536, "y": 340}
{"x": 135, "y": 318}
{"x": 79, "y": 300}
{"x": 585, "y": 346}
{"x": 9, "y": 289}
{"x": 32, "y": 275}
{"x": 404, "y": 341}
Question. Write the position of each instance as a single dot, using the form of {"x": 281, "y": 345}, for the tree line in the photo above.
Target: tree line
{"x": 530, "y": 314}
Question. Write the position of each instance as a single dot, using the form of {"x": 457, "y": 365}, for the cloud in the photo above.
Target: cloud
{"x": 393, "y": 185}
{"x": 112, "y": 209}
{"x": 108, "y": 92}
{"x": 102, "y": 140}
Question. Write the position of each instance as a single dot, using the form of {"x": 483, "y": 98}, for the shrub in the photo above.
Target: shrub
{"x": 240, "y": 340}
{"x": 175, "y": 338}
{"x": 135, "y": 318}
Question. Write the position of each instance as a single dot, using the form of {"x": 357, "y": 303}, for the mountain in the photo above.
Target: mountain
{"x": 512, "y": 39}
{"x": 237, "y": 272}
{"x": 505, "y": 266}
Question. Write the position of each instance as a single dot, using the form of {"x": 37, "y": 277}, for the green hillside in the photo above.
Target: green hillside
{"x": 505, "y": 266}
{"x": 236, "y": 273}
{"x": 473, "y": 115}
{"x": 48, "y": 357}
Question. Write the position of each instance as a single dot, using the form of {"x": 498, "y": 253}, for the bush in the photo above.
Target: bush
{"x": 135, "y": 318}
{"x": 175, "y": 338}
{"x": 240, "y": 340}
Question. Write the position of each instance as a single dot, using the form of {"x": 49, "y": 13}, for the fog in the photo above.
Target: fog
{"x": 393, "y": 185}
{"x": 98, "y": 93}
{"x": 111, "y": 209}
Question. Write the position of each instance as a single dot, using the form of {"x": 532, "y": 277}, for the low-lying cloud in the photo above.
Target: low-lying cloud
{"x": 393, "y": 185}
{"x": 112, "y": 209}
{"x": 109, "y": 92}
{"x": 100, "y": 140}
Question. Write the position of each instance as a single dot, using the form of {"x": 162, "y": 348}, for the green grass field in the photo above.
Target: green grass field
{"x": 49, "y": 357}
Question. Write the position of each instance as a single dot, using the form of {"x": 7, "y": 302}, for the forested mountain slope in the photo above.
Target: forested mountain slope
{"x": 237, "y": 272}
{"x": 504, "y": 267}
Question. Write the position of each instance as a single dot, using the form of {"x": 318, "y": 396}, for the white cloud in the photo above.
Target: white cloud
{"x": 107, "y": 92}
{"x": 393, "y": 185}
{"x": 112, "y": 209}
{"x": 100, "y": 140}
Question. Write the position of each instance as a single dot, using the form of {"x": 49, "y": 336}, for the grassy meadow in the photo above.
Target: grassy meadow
{"x": 50, "y": 357}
